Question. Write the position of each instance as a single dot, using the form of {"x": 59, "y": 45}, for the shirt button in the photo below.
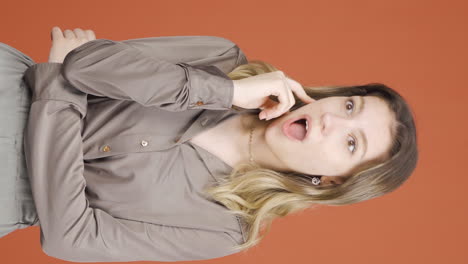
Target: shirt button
{"x": 106, "y": 148}
{"x": 200, "y": 103}
{"x": 144, "y": 143}
{"x": 204, "y": 121}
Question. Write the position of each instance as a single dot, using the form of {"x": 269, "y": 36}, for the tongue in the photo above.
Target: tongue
{"x": 297, "y": 130}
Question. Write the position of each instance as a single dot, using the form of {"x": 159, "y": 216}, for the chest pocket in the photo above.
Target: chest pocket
{"x": 132, "y": 143}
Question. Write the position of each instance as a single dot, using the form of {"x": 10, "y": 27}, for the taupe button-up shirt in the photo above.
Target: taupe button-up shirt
{"x": 113, "y": 175}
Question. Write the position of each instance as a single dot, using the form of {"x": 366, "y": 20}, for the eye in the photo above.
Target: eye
{"x": 351, "y": 143}
{"x": 349, "y": 106}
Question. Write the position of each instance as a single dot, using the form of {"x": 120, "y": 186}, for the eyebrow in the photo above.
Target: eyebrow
{"x": 362, "y": 135}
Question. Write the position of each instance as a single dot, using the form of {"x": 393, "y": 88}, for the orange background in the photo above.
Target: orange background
{"x": 417, "y": 47}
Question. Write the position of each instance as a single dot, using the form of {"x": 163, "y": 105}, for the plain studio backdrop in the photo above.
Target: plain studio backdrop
{"x": 419, "y": 48}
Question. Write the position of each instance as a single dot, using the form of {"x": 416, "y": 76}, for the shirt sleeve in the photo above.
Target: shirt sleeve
{"x": 173, "y": 73}
{"x": 69, "y": 228}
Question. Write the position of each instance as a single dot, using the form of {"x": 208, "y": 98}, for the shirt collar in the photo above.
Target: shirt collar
{"x": 217, "y": 167}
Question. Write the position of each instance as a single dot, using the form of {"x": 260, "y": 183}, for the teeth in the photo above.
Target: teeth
{"x": 307, "y": 125}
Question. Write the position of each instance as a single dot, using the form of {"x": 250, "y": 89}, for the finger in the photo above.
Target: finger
{"x": 291, "y": 100}
{"x": 288, "y": 93}
{"x": 283, "y": 98}
{"x": 291, "y": 95}
{"x": 79, "y": 33}
{"x": 90, "y": 34}
{"x": 266, "y": 108}
{"x": 300, "y": 92}
{"x": 56, "y": 33}
{"x": 68, "y": 34}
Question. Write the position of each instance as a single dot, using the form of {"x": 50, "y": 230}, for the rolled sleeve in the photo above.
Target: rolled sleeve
{"x": 136, "y": 71}
{"x": 47, "y": 83}
{"x": 213, "y": 92}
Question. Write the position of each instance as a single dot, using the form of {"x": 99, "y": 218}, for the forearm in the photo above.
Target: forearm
{"x": 53, "y": 150}
{"x": 142, "y": 72}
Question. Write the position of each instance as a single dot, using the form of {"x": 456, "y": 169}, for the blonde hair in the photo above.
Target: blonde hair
{"x": 259, "y": 195}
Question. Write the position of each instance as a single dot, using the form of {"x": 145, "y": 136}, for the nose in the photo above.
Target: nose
{"x": 330, "y": 121}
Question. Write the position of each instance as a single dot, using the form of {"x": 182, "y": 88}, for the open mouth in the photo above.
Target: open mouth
{"x": 297, "y": 129}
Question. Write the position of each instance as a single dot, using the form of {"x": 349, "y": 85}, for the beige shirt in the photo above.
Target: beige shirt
{"x": 113, "y": 175}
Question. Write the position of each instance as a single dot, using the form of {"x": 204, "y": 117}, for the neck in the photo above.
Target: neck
{"x": 261, "y": 153}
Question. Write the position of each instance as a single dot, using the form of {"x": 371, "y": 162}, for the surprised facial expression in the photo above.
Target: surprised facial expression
{"x": 342, "y": 133}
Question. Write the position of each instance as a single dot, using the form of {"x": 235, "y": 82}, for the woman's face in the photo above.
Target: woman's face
{"x": 334, "y": 144}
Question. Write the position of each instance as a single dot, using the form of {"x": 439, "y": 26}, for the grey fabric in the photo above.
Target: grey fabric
{"x": 113, "y": 174}
{"x": 17, "y": 209}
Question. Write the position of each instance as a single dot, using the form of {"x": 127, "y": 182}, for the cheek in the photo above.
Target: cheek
{"x": 329, "y": 162}
{"x": 333, "y": 152}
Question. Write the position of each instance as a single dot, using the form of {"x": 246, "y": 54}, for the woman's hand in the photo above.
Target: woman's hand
{"x": 254, "y": 92}
{"x": 62, "y": 44}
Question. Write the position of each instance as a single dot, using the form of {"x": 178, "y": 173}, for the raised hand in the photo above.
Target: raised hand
{"x": 254, "y": 92}
{"x": 63, "y": 43}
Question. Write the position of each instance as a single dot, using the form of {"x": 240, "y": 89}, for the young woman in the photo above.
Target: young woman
{"x": 179, "y": 148}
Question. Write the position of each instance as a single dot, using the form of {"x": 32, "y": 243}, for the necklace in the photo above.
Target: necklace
{"x": 250, "y": 143}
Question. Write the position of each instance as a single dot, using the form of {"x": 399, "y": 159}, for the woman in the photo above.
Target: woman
{"x": 175, "y": 148}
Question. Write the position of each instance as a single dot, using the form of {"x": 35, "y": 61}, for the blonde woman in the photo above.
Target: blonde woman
{"x": 179, "y": 148}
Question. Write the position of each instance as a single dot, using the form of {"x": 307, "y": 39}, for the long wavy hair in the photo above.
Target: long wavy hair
{"x": 259, "y": 195}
